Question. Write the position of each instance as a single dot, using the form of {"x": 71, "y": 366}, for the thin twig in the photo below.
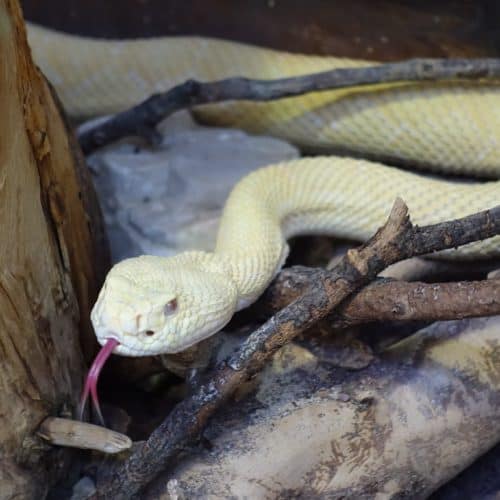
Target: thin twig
{"x": 141, "y": 120}
{"x": 390, "y": 300}
{"x": 398, "y": 239}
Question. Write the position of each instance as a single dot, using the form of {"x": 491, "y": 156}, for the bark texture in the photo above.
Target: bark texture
{"x": 52, "y": 255}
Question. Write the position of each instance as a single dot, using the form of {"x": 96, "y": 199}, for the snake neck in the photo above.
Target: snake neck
{"x": 234, "y": 268}
{"x": 207, "y": 261}
{"x": 217, "y": 264}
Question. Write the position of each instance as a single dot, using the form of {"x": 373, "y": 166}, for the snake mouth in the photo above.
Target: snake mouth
{"x": 93, "y": 377}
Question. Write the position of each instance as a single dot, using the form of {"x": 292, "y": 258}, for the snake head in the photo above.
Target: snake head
{"x": 157, "y": 305}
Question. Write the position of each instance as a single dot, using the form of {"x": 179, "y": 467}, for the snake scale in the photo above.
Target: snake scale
{"x": 151, "y": 305}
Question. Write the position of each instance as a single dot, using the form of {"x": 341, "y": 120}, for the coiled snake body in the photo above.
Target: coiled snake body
{"x": 153, "y": 305}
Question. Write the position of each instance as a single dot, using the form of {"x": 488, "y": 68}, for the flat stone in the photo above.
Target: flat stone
{"x": 164, "y": 200}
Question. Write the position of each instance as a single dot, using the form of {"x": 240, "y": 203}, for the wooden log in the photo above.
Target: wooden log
{"x": 52, "y": 260}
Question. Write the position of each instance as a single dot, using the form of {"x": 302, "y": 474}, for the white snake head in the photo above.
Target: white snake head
{"x": 157, "y": 305}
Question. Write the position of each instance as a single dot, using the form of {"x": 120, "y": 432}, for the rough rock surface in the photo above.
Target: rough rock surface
{"x": 163, "y": 200}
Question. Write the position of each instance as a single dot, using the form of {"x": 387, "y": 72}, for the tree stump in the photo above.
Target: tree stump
{"x": 53, "y": 255}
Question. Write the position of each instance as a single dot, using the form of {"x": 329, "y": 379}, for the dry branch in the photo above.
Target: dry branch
{"x": 390, "y": 300}
{"x": 141, "y": 120}
{"x": 398, "y": 239}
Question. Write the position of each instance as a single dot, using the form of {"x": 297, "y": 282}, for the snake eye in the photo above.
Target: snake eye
{"x": 170, "y": 307}
{"x": 149, "y": 333}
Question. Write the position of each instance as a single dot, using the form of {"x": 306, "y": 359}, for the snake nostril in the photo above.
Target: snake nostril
{"x": 149, "y": 333}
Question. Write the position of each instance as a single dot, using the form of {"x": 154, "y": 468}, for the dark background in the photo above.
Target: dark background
{"x": 372, "y": 29}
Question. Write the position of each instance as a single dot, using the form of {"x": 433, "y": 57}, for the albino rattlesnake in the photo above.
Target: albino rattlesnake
{"x": 153, "y": 305}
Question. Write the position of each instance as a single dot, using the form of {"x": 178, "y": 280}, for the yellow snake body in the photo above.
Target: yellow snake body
{"x": 154, "y": 305}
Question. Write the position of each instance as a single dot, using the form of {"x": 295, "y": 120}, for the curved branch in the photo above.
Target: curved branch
{"x": 141, "y": 120}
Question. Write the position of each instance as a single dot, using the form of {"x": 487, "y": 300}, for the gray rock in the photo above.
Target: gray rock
{"x": 164, "y": 200}
{"x": 83, "y": 489}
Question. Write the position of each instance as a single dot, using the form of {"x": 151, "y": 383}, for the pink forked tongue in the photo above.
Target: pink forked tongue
{"x": 93, "y": 377}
